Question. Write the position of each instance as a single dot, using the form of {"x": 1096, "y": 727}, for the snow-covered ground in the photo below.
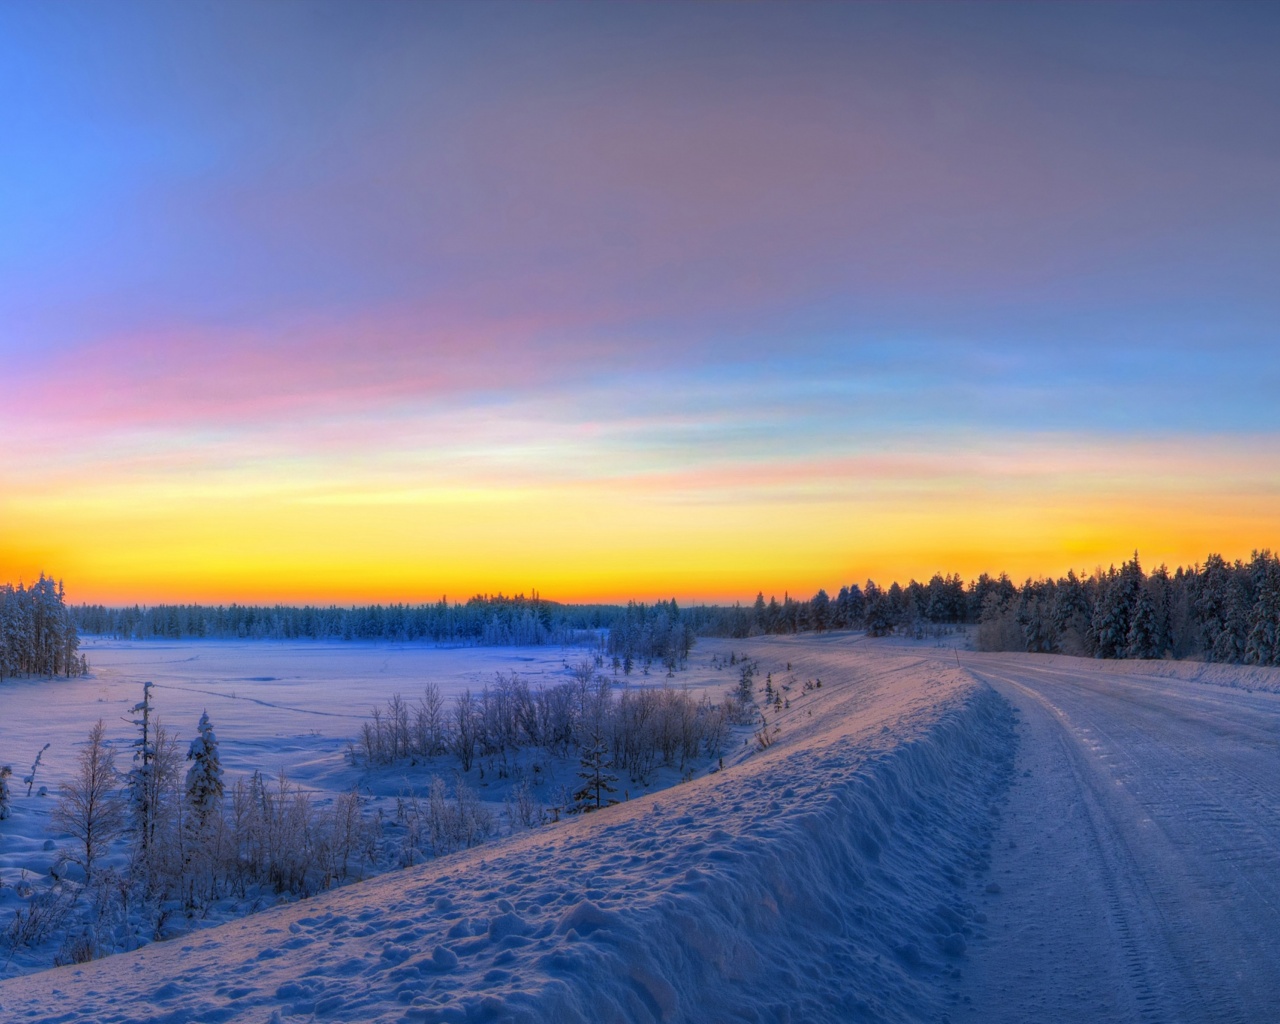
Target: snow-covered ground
{"x": 1138, "y": 862}
{"x": 291, "y": 707}
{"x": 895, "y": 854}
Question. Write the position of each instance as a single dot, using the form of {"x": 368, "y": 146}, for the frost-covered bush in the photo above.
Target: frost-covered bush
{"x": 345, "y": 839}
{"x": 456, "y": 823}
{"x": 89, "y": 808}
{"x": 646, "y": 727}
{"x": 273, "y": 837}
{"x": 40, "y": 917}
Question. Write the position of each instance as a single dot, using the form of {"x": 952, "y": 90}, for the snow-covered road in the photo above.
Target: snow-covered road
{"x": 1138, "y": 861}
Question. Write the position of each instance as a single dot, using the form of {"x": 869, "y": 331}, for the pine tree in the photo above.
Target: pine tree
{"x": 204, "y": 777}
{"x": 142, "y": 783}
{"x": 1229, "y": 645}
{"x": 1160, "y": 587}
{"x": 1211, "y": 586}
{"x": 746, "y": 691}
{"x": 1141, "y": 639}
{"x": 597, "y": 780}
{"x": 820, "y": 611}
{"x": 1262, "y": 647}
{"x": 1071, "y": 616}
{"x": 1113, "y": 614}
{"x": 5, "y": 796}
{"x": 878, "y": 614}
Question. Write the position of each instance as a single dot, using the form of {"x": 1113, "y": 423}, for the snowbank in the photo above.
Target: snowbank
{"x": 821, "y": 879}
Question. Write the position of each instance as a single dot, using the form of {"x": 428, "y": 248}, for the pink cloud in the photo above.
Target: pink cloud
{"x": 192, "y": 376}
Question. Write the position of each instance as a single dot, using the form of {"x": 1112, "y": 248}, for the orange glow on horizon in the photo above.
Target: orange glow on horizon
{"x": 592, "y": 543}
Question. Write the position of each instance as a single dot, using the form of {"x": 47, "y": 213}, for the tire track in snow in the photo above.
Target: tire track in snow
{"x": 255, "y": 700}
{"x": 1135, "y": 946}
{"x": 1183, "y": 831}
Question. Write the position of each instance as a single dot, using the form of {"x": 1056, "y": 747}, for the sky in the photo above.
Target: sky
{"x": 373, "y": 302}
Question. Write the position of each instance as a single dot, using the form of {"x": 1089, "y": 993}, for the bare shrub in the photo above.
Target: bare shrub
{"x": 90, "y": 809}
{"x": 43, "y": 913}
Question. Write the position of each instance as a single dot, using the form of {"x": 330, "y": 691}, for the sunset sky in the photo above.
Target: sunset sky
{"x": 384, "y": 301}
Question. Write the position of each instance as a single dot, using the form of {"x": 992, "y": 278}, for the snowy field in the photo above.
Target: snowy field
{"x": 909, "y": 848}
{"x": 290, "y": 705}
{"x": 291, "y": 708}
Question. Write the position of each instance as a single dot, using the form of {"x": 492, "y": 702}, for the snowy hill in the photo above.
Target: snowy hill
{"x": 827, "y": 877}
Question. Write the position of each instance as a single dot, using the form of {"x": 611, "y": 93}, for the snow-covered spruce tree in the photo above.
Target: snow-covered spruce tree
{"x": 37, "y": 634}
{"x": 1262, "y": 646}
{"x": 1222, "y": 605}
{"x": 1035, "y": 616}
{"x": 203, "y": 833}
{"x": 878, "y": 613}
{"x": 1141, "y": 639}
{"x": 1113, "y": 613}
{"x": 204, "y": 777}
{"x": 1229, "y": 645}
{"x": 998, "y": 625}
{"x": 820, "y": 611}
{"x": 1071, "y": 615}
{"x": 1159, "y": 588}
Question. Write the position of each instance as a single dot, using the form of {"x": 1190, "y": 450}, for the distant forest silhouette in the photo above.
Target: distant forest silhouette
{"x": 1219, "y": 611}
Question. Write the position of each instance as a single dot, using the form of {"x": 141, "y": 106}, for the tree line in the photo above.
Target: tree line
{"x": 488, "y": 620}
{"x": 1219, "y": 611}
{"x": 635, "y": 636}
{"x": 38, "y": 633}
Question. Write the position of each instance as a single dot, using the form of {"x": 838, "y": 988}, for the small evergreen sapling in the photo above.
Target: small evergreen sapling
{"x": 596, "y": 778}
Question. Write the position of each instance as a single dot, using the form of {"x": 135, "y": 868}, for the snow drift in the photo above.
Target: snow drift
{"x": 821, "y": 879}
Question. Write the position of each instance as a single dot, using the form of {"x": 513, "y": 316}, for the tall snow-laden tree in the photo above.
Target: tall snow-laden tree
{"x": 1035, "y": 616}
{"x": 820, "y": 611}
{"x": 1071, "y": 616}
{"x": 142, "y": 777}
{"x": 1113, "y": 613}
{"x": 204, "y": 777}
{"x": 1262, "y": 646}
{"x": 878, "y": 614}
{"x": 37, "y": 634}
{"x": 1141, "y": 641}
